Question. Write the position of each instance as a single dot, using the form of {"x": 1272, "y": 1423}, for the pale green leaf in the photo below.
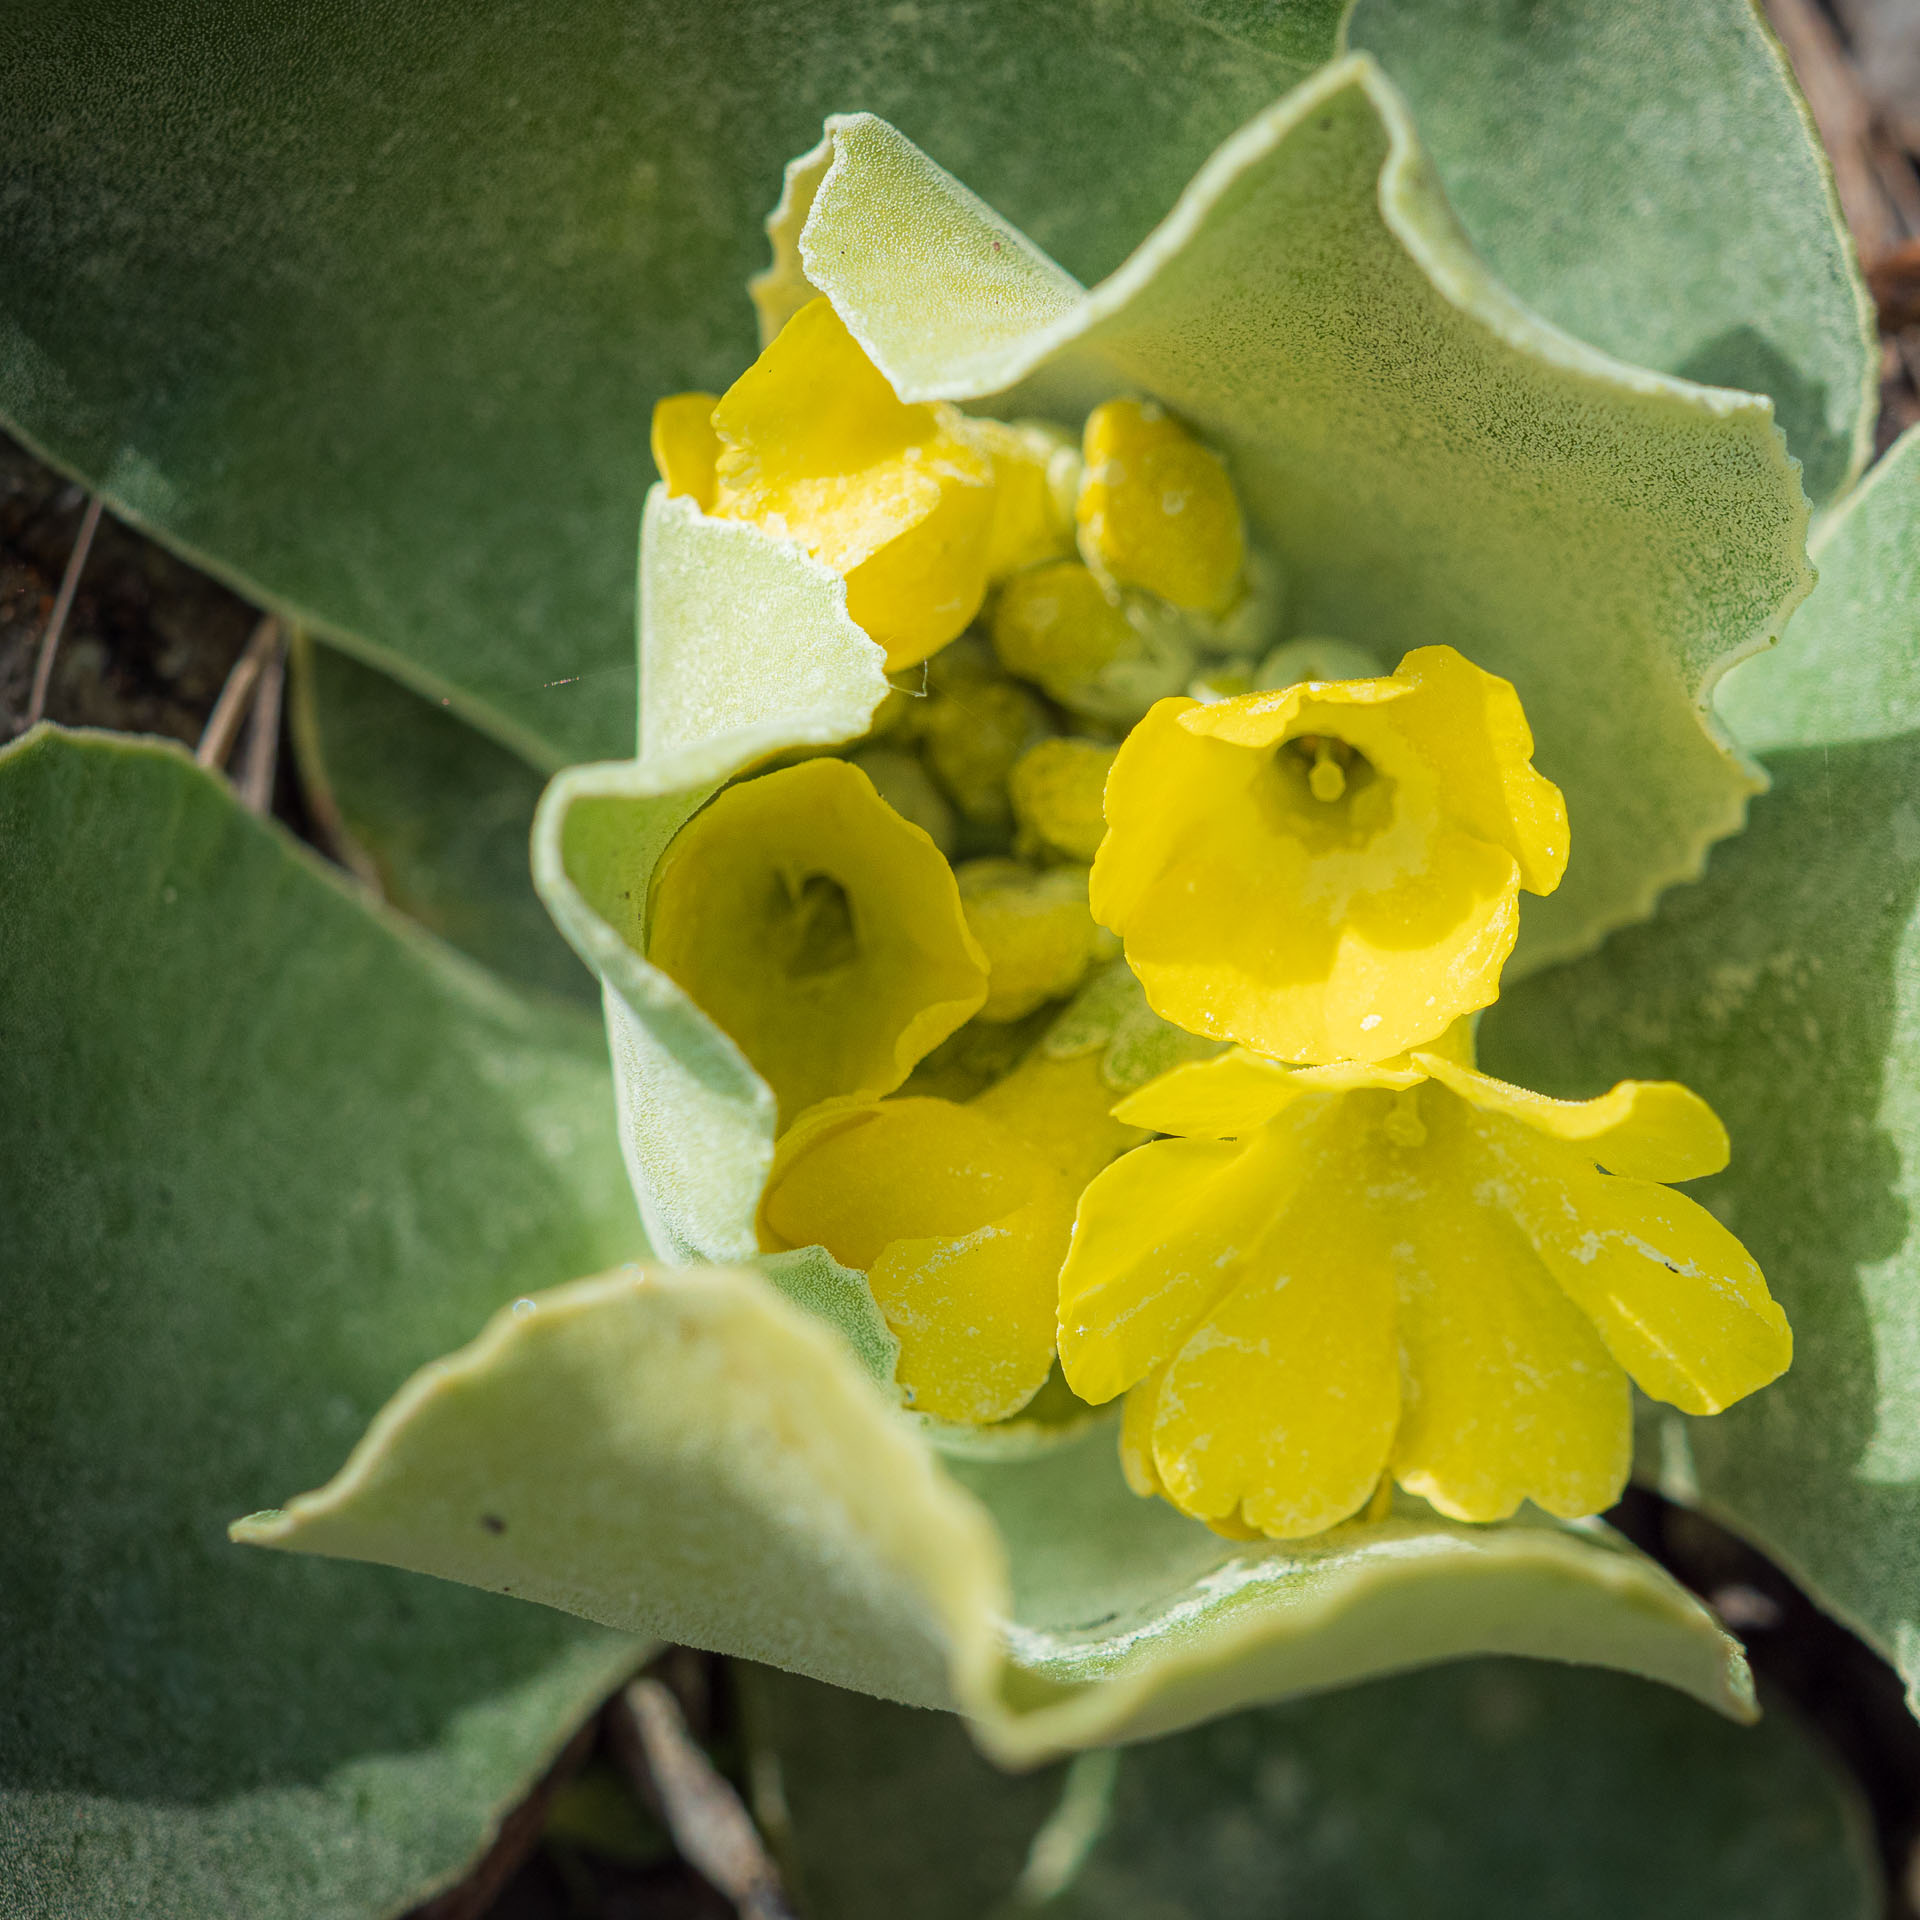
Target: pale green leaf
{"x": 1488, "y": 1788}
{"x": 432, "y": 812}
{"x": 368, "y": 308}
{"x": 1647, "y": 177}
{"x": 1785, "y": 988}
{"x": 262, "y": 1151}
{"x": 1431, "y": 461}
{"x": 687, "y": 1454}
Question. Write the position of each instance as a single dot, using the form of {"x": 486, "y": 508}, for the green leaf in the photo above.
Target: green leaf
{"x": 368, "y": 310}
{"x": 433, "y": 812}
{"x": 1486, "y": 1788}
{"x": 1648, "y": 177}
{"x": 1783, "y": 989}
{"x": 686, "y": 1454}
{"x": 262, "y": 1151}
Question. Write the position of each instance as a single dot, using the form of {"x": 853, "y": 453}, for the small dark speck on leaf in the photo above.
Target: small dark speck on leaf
{"x": 493, "y": 1523}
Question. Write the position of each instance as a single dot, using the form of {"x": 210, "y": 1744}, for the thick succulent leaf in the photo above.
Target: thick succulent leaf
{"x": 434, "y": 813}
{"x": 1648, "y": 177}
{"x": 1785, "y": 988}
{"x": 1484, "y": 1788}
{"x": 1133, "y": 1619}
{"x": 262, "y": 1151}
{"x": 1431, "y": 460}
{"x": 382, "y": 345}
{"x": 761, "y": 1496}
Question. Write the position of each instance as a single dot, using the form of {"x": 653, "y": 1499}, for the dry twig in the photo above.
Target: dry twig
{"x": 704, "y": 1814}
{"x": 223, "y": 724}
{"x": 62, "y": 606}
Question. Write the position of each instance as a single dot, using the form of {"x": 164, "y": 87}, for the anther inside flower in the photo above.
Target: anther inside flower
{"x": 1329, "y": 871}
{"x": 820, "y": 930}
{"x": 1340, "y": 1273}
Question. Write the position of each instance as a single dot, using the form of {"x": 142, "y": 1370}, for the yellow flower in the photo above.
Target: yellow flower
{"x": 819, "y": 930}
{"x": 915, "y": 505}
{"x": 1404, "y": 1269}
{"x": 1329, "y": 871}
{"x": 959, "y": 1214}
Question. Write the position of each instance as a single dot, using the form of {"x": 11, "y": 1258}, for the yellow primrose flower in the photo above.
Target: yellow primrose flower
{"x": 822, "y": 932}
{"x": 959, "y": 1214}
{"x": 1345, "y": 1272}
{"x": 811, "y": 444}
{"x": 1329, "y": 871}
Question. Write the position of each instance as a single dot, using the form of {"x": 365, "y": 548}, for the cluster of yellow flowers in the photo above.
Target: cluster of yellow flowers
{"x": 1352, "y": 1260}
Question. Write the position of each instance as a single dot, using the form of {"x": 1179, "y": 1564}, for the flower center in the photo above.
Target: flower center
{"x": 813, "y": 925}
{"x": 1333, "y": 789}
{"x": 1402, "y": 1123}
{"x": 1327, "y": 762}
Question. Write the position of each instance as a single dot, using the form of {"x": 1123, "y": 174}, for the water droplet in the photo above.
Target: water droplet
{"x": 524, "y": 1305}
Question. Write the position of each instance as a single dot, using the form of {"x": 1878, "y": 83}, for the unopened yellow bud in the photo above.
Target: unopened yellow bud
{"x": 1056, "y": 789}
{"x": 1036, "y": 478}
{"x": 1034, "y": 928}
{"x": 817, "y": 447}
{"x": 819, "y": 930}
{"x": 1056, "y": 627}
{"x": 685, "y": 446}
{"x": 972, "y": 726}
{"x": 1157, "y": 510}
{"x": 908, "y": 788}
{"x": 1060, "y": 628}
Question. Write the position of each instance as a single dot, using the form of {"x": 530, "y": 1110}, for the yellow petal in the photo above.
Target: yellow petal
{"x": 817, "y": 447}
{"x": 1157, "y": 510}
{"x": 1234, "y": 1093}
{"x": 1280, "y": 1410}
{"x": 960, "y": 1228}
{"x": 1138, "y": 1411}
{"x": 1168, "y": 1229}
{"x": 1056, "y": 788}
{"x": 685, "y": 445}
{"x": 1036, "y": 475}
{"x": 1510, "y": 1395}
{"x": 1062, "y": 1109}
{"x": 1473, "y": 725}
{"x": 1141, "y": 1271}
{"x": 1677, "y": 1299}
{"x": 822, "y": 932}
{"x": 1652, "y": 1129}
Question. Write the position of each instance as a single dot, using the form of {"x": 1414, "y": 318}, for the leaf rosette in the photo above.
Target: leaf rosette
{"x": 1383, "y": 451}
